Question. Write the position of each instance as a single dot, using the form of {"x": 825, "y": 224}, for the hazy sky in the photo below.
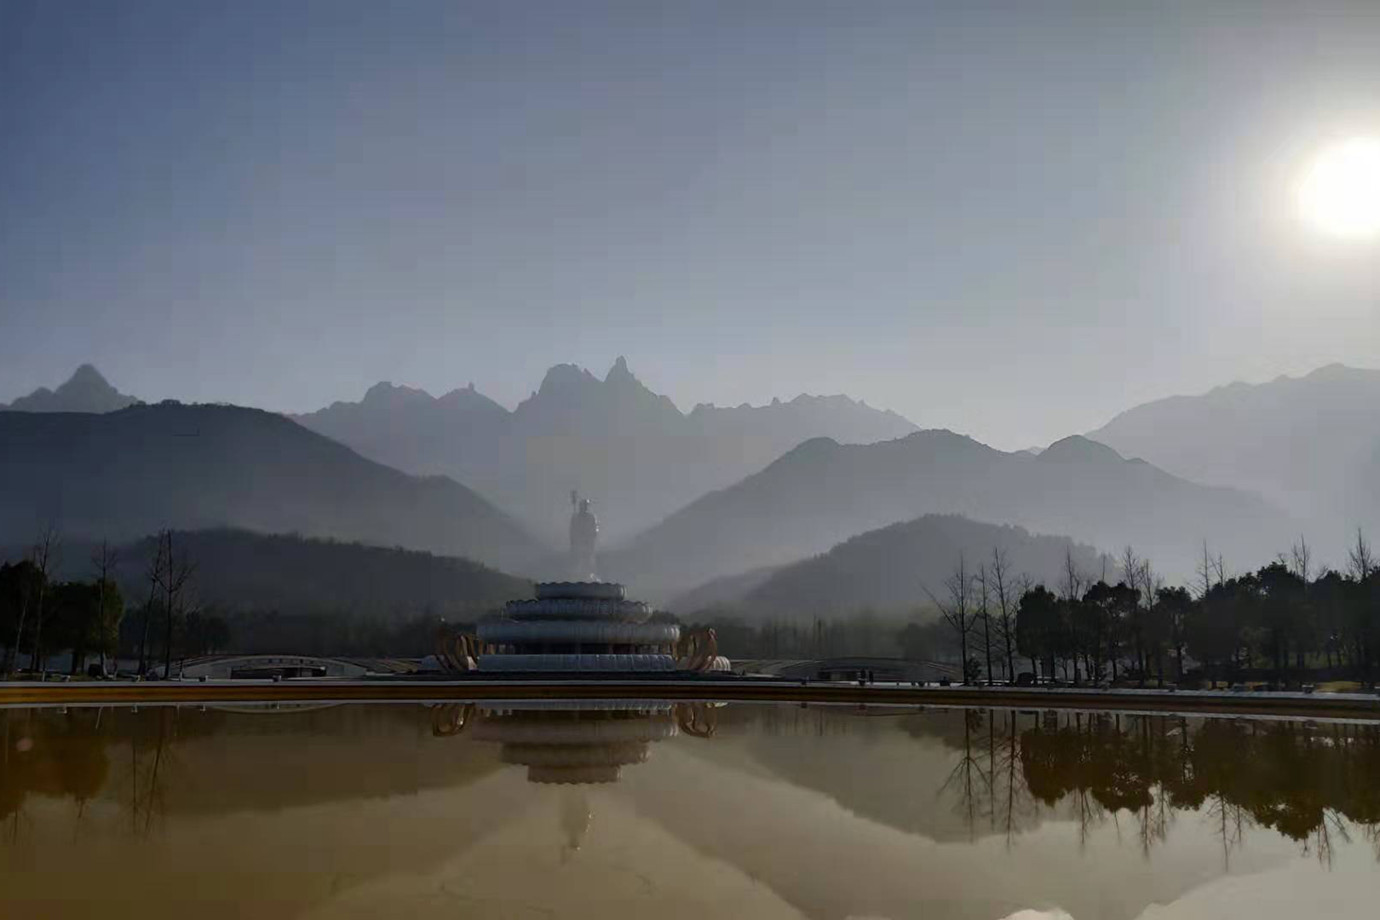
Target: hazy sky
{"x": 1012, "y": 220}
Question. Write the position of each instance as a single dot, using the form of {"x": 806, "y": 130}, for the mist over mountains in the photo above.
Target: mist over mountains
{"x": 126, "y": 474}
{"x": 822, "y": 493}
{"x": 892, "y": 569}
{"x": 627, "y": 448}
{"x": 1311, "y": 444}
{"x": 720, "y": 502}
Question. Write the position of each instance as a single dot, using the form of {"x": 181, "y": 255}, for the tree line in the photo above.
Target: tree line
{"x": 1287, "y": 621}
{"x": 42, "y": 616}
{"x": 150, "y": 605}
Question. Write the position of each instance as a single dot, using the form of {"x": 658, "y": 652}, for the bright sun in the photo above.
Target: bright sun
{"x": 1340, "y": 193}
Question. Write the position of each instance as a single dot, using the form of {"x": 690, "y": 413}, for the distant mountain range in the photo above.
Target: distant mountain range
{"x": 85, "y": 391}
{"x": 891, "y": 569}
{"x": 711, "y": 501}
{"x": 822, "y": 493}
{"x": 1311, "y": 444}
{"x": 629, "y": 449}
{"x": 126, "y": 474}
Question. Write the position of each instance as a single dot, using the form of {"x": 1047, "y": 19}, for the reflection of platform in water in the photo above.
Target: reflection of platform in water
{"x": 574, "y": 742}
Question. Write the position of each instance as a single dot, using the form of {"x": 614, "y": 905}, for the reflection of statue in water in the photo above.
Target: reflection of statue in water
{"x": 584, "y": 534}
{"x": 575, "y": 817}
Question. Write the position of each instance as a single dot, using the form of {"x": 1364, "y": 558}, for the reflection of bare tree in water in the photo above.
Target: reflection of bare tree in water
{"x": 56, "y": 753}
{"x": 1229, "y": 822}
{"x": 987, "y": 782}
{"x": 1012, "y": 804}
{"x": 969, "y": 781}
{"x": 1321, "y": 840}
{"x": 150, "y": 749}
{"x": 1372, "y": 833}
{"x": 1154, "y": 817}
{"x": 1311, "y": 783}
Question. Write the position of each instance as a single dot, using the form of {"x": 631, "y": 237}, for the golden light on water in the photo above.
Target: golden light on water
{"x": 1340, "y": 193}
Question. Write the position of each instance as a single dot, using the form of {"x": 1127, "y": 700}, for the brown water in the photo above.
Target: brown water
{"x": 683, "y": 811}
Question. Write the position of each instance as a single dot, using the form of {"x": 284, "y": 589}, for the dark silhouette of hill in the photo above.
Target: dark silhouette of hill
{"x": 616, "y": 441}
{"x": 823, "y": 492}
{"x": 129, "y": 473}
{"x": 237, "y": 570}
{"x": 1308, "y": 443}
{"x": 85, "y": 391}
{"x": 891, "y": 569}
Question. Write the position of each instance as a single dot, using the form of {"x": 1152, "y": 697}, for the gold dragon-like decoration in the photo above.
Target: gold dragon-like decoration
{"x": 457, "y": 651}
{"x": 697, "y": 649}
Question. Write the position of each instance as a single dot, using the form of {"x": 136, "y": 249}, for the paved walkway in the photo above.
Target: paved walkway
{"x": 1295, "y": 705}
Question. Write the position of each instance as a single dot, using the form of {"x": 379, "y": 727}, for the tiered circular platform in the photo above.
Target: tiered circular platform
{"x": 581, "y": 626}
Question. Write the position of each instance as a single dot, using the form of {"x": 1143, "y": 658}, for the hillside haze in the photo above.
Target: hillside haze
{"x": 619, "y": 443}
{"x": 1309, "y": 443}
{"x": 822, "y": 493}
{"x": 126, "y": 474}
{"x": 239, "y": 571}
{"x": 892, "y": 570}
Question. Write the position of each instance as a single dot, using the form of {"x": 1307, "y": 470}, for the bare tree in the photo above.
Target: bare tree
{"x": 104, "y": 559}
{"x": 175, "y": 576}
{"x": 1360, "y": 560}
{"x": 1006, "y": 595}
{"x": 154, "y": 574}
{"x": 44, "y": 556}
{"x": 1301, "y": 560}
{"x": 1205, "y": 572}
{"x": 984, "y": 615}
{"x": 12, "y": 653}
{"x": 1073, "y": 582}
{"x": 957, "y": 609}
{"x": 1130, "y": 566}
{"x": 1212, "y": 571}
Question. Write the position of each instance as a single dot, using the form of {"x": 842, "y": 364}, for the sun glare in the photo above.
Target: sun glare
{"x": 1340, "y": 193}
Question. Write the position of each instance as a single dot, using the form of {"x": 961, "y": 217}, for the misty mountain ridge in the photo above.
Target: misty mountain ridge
{"x": 126, "y": 474}
{"x": 615, "y": 440}
{"x": 239, "y": 570}
{"x": 822, "y": 492}
{"x": 1308, "y": 443}
{"x": 893, "y": 569}
{"x": 85, "y": 391}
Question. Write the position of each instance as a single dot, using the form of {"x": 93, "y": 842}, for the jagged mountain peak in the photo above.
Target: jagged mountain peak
{"x": 565, "y": 377}
{"x": 619, "y": 373}
{"x": 86, "y": 390}
{"x": 607, "y": 434}
{"x": 86, "y": 375}
{"x": 386, "y": 391}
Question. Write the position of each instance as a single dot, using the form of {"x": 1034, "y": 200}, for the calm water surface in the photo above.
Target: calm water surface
{"x": 667, "y": 811}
